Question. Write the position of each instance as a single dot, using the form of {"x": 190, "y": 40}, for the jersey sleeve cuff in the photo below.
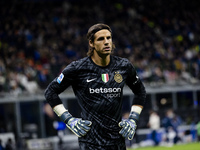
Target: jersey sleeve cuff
{"x": 59, "y": 109}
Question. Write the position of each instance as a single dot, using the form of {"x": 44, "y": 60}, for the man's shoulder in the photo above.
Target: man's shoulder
{"x": 76, "y": 64}
{"x": 120, "y": 59}
{"x": 80, "y": 62}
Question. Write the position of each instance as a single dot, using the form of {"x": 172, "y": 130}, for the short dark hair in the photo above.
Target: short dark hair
{"x": 90, "y": 35}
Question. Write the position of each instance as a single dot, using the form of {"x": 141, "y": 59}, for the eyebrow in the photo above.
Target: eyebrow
{"x": 102, "y": 37}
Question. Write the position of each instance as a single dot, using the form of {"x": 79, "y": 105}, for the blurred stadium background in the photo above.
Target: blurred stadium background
{"x": 38, "y": 38}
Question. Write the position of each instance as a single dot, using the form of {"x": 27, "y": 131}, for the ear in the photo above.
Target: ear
{"x": 91, "y": 43}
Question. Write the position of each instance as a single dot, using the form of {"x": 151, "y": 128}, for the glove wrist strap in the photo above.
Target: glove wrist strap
{"x": 135, "y": 116}
{"x": 65, "y": 117}
{"x": 135, "y": 113}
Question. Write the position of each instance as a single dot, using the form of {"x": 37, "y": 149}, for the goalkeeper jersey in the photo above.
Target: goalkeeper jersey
{"x": 99, "y": 92}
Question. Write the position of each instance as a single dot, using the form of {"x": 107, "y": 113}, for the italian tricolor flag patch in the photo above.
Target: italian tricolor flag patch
{"x": 105, "y": 77}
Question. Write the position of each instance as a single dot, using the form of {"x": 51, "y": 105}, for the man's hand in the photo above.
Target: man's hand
{"x": 128, "y": 128}
{"x": 78, "y": 126}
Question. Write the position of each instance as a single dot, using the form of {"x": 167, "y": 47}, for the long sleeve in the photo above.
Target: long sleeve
{"x": 136, "y": 85}
{"x": 59, "y": 84}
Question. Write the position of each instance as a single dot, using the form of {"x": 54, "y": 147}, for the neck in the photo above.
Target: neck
{"x": 100, "y": 60}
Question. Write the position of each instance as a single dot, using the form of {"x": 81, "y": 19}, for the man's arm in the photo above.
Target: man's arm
{"x": 129, "y": 125}
{"x": 58, "y": 85}
{"x": 135, "y": 84}
{"x": 78, "y": 126}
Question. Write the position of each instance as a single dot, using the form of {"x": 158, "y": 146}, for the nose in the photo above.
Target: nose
{"x": 106, "y": 41}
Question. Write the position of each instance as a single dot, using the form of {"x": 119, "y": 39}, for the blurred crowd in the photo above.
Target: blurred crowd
{"x": 38, "y": 39}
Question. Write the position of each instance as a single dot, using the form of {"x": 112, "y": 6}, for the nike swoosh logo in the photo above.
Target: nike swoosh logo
{"x": 91, "y": 80}
{"x": 136, "y": 80}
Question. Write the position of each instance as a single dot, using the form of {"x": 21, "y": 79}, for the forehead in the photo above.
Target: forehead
{"x": 102, "y": 33}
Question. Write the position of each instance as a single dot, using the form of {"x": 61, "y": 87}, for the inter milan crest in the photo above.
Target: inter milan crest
{"x": 118, "y": 77}
{"x": 105, "y": 77}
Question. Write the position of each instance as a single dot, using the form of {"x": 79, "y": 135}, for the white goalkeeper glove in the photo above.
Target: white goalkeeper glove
{"x": 78, "y": 126}
{"x": 129, "y": 125}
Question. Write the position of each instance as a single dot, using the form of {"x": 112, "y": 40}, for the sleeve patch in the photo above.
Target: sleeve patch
{"x": 60, "y": 78}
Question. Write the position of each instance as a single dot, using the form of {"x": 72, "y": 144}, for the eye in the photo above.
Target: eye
{"x": 109, "y": 37}
{"x": 100, "y": 39}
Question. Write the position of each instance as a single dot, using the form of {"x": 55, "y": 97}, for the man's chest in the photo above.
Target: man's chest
{"x": 108, "y": 78}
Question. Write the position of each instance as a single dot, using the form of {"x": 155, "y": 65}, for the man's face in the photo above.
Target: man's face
{"x": 102, "y": 42}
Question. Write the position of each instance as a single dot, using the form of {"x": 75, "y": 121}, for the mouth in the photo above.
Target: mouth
{"x": 107, "y": 48}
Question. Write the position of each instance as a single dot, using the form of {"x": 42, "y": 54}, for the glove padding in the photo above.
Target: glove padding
{"x": 78, "y": 126}
{"x": 128, "y": 128}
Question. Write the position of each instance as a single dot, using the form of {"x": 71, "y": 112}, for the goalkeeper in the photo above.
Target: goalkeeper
{"x": 97, "y": 81}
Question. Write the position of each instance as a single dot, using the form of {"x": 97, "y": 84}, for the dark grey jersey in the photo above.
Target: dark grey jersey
{"x": 99, "y": 92}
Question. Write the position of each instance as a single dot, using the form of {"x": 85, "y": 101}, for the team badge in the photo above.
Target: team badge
{"x": 118, "y": 77}
{"x": 60, "y": 78}
{"x": 105, "y": 77}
